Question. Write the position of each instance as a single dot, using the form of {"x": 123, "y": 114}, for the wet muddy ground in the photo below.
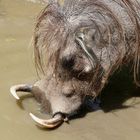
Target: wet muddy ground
{"x": 118, "y": 118}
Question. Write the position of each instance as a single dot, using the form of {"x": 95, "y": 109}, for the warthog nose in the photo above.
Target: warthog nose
{"x": 68, "y": 62}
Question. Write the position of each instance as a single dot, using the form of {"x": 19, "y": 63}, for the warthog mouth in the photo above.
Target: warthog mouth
{"x": 57, "y": 118}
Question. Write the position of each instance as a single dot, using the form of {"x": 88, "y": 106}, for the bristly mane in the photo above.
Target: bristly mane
{"x": 54, "y": 30}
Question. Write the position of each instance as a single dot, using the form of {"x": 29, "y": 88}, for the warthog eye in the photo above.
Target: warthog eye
{"x": 69, "y": 95}
{"x": 68, "y": 62}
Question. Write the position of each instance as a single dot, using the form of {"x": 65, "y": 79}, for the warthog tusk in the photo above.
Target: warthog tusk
{"x": 22, "y": 87}
{"x": 51, "y": 123}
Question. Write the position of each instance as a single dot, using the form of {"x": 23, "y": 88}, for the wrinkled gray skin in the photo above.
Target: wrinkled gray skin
{"x": 78, "y": 44}
{"x": 52, "y": 102}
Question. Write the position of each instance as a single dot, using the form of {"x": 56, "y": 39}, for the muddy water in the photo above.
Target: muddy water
{"x": 16, "y": 66}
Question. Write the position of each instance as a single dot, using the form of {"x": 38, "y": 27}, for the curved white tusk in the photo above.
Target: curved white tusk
{"x": 51, "y": 123}
{"x": 13, "y": 90}
{"x": 21, "y": 87}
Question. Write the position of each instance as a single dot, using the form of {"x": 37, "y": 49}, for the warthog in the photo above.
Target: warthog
{"x": 78, "y": 44}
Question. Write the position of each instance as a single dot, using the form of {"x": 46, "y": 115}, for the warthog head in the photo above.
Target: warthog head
{"x": 77, "y": 45}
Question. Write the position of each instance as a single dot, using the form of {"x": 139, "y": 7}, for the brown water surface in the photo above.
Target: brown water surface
{"x": 17, "y": 19}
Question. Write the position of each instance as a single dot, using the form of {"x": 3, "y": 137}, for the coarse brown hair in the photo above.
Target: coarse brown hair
{"x": 55, "y": 24}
